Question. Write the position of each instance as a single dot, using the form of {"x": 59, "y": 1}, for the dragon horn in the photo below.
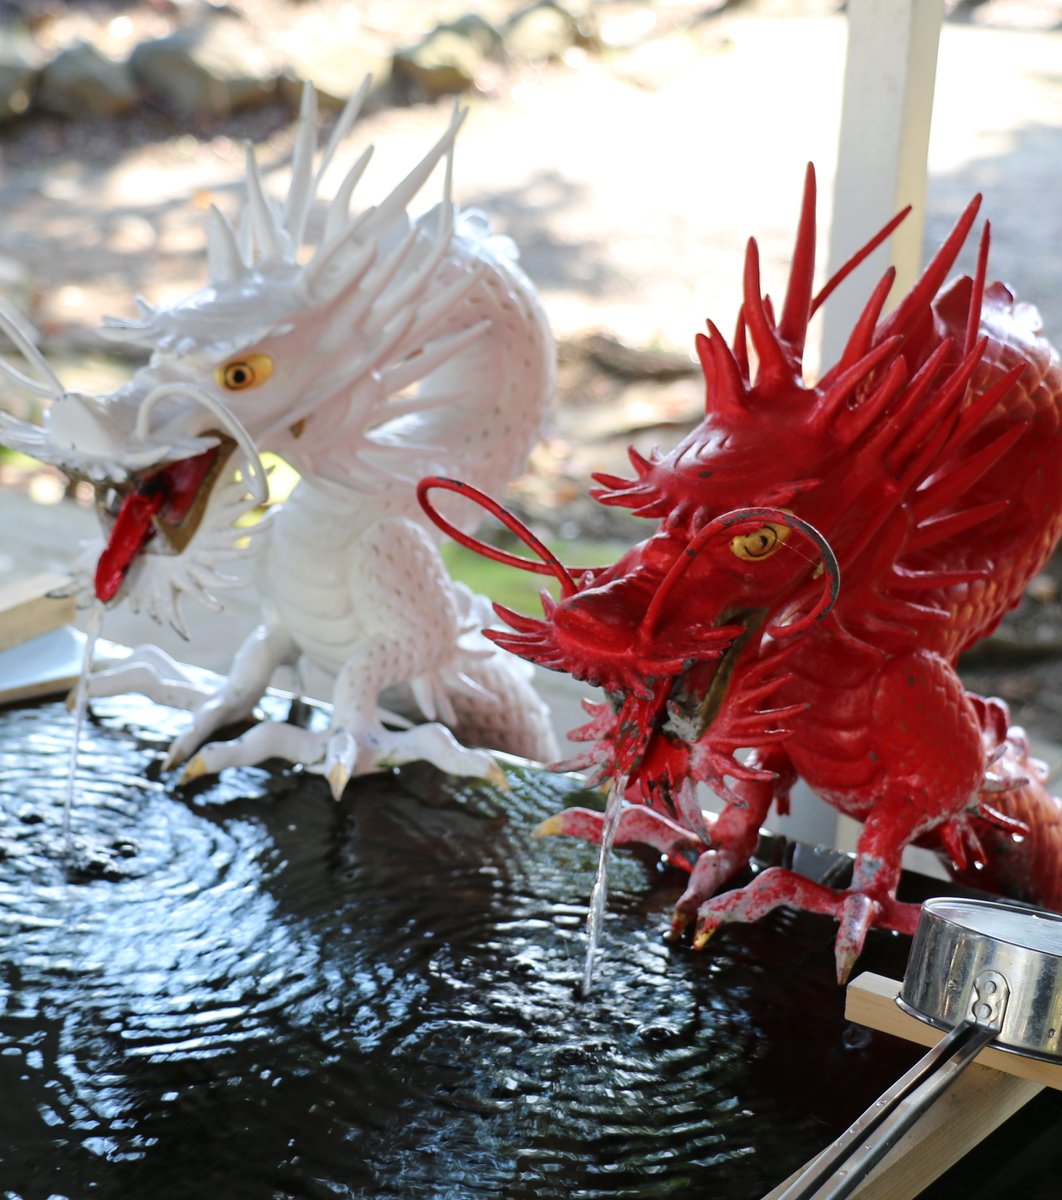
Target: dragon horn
{"x": 796, "y": 308}
{"x": 224, "y": 261}
{"x": 301, "y": 191}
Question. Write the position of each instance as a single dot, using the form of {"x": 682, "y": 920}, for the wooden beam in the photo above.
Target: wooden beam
{"x": 27, "y": 609}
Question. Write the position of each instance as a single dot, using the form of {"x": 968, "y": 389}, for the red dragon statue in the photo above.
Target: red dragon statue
{"x": 824, "y": 554}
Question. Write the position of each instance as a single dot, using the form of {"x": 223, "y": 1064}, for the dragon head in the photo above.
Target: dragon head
{"x": 783, "y": 489}
{"x": 306, "y": 350}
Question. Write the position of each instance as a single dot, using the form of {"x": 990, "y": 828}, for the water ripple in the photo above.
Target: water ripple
{"x": 248, "y": 991}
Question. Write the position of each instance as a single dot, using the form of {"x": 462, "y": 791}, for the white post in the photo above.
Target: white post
{"x": 887, "y": 105}
{"x": 881, "y": 161}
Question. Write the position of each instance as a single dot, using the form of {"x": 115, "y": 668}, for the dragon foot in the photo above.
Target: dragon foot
{"x": 855, "y": 910}
{"x": 339, "y": 754}
{"x": 637, "y": 826}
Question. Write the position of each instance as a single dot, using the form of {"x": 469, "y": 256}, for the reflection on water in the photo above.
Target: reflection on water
{"x": 247, "y": 991}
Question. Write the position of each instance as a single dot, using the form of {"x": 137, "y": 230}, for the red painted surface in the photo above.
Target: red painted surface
{"x": 923, "y": 473}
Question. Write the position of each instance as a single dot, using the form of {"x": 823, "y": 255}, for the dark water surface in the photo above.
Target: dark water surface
{"x": 245, "y": 991}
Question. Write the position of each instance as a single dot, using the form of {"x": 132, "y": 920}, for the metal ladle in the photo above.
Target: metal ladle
{"x": 989, "y": 972}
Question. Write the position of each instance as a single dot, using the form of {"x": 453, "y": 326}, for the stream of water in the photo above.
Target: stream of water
{"x": 596, "y": 917}
{"x": 81, "y": 696}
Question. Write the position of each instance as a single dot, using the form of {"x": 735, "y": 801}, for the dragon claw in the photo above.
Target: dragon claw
{"x": 858, "y": 912}
{"x": 193, "y": 770}
{"x": 706, "y": 929}
{"x": 551, "y": 827}
{"x": 680, "y": 922}
{"x": 497, "y": 778}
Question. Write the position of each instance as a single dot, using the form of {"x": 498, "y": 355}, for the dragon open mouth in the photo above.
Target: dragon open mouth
{"x": 694, "y": 702}
{"x": 170, "y": 501}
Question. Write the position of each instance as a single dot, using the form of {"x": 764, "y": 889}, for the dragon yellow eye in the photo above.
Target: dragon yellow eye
{"x": 239, "y": 374}
{"x": 761, "y": 543}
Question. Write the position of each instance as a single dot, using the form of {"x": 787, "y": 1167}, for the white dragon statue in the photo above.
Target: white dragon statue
{"x": 387, "y": 349}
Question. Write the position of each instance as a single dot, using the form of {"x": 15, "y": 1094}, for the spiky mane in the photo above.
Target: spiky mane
{"x": 894, "y": 380}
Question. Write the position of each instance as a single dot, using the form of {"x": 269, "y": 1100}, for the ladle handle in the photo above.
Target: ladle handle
{"x": 837, "y": 1172}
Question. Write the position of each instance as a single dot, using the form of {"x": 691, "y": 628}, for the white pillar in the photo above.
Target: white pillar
{"x": 881, "y": 161}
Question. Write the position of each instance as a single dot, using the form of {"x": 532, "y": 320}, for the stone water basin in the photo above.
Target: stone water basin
{"x": 243, "y": 990}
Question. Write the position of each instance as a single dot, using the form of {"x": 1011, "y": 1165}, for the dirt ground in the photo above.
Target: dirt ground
{"x": 630, "y": 179}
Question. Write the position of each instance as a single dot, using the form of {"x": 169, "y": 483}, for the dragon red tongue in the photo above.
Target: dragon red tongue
{"x": 166, "y": 494}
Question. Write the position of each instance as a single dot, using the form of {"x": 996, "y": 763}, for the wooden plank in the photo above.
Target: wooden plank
{"x": 887, "y": 104}
{"x": 979, "y": 1101}
{"x": 871, "y": 1001}
{"x": 994, "y": 1087}
{"x": 27, "y": 610}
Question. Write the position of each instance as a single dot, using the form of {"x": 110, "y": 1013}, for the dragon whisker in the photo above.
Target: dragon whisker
{"x": 22, "y": 335}
{"x": 255, "y": 473}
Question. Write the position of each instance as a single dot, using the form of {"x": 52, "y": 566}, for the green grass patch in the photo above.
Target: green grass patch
{"x": 517, "y": 589}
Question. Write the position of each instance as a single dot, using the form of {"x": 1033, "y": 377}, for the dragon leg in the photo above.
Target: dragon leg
{"x": 151, "y": 672}
{"x": 359, "y": 743}
{"x": 928, "y": 765}
{"x": 734, "y": 836}
{"x": 262, "y": 651}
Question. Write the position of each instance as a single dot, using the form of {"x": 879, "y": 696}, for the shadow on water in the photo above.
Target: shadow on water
{"x": 248, "y": 991}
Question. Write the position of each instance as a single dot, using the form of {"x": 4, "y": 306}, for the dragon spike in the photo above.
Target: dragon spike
{"x": 841, "y": 389}
{"x": 938, "y": 529}
{"x": 921, "y": 295}
{"x": 946, "y": 490}
{"x": 301, "y": 191}
{"x": 339, "y": 210}
{"x": 796, "y": 309}
{"x": 395, "y": 204}
{"x": 977, "y": 293}
{"x": 433, "y": 355}
{"x": 316, "y": 273}
{"x": 386, "y": 307}
{"x": 268, "y": 234}
{"x": 864, "y": 252}
{"x": 224, "y": 261}
{"x": 949, "y": 395}
{"x": 861, "y": 338}
{"x": 919, "y": 384}
{"x": 431, "y": 314}
{"x": 351, "y": 112}
{"x": 741, "y": 347}
{"x": 726, "y": 386}
{"x": 776, "y": 365}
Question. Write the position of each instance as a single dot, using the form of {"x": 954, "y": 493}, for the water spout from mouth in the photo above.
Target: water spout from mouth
{"x": 598, "y": 896}
{"x": 81, "y": 696}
